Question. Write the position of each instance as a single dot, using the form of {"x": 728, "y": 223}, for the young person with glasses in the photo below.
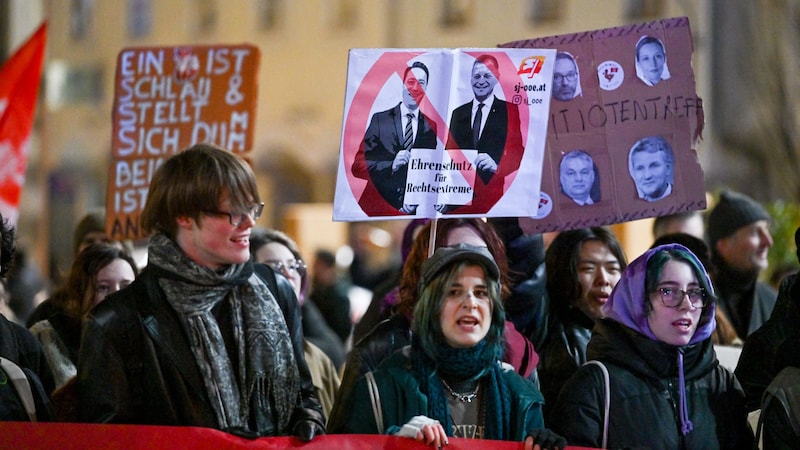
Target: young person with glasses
{"x": 667, "y": 389}
{"x": 325, "y": 353}
{"x": 203, "y": 337}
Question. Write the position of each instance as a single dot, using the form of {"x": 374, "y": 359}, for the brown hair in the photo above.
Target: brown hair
{"x": 77, "y": 296}
{"x": 412, "y": 268}
{"x": 194, "y": 180}
{"x": 259, "y": 237}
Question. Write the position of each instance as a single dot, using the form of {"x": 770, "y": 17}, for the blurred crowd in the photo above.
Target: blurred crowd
{"x": 462, "y": 327}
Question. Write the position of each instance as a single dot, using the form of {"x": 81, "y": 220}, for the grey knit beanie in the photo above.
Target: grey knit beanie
{"x": 733, "y": 211}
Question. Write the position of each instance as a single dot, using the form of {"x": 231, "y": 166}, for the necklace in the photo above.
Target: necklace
{"x": 463, "y": 398}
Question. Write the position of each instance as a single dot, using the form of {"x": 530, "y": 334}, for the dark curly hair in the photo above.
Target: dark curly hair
{"x": 8, "y": 248}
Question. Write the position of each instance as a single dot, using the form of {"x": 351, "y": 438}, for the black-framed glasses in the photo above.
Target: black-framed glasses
{"x": 292, "y": 265}
{"x": 570, "y": 77}
{"x": 673, "y": 297}
{"x": 236, "y": 218}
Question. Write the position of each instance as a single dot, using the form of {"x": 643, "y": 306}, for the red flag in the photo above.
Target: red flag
{"x": 19, "y": 87}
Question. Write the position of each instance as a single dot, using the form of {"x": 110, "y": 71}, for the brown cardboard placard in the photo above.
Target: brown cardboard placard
{"x": 615, "y": 106}
{"x": 167, "y": 99}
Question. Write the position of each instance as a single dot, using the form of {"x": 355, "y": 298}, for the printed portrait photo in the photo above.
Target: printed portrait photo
{"x": 566, "y": 78}
{"x": 651, "y": 60}
{"x": 651, "y": 164}
{"x": 579, "y": 178}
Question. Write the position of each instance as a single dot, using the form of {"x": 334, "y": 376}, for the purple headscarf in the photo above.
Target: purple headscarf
{"x": 627, "y": 305}
{"x": 628, "y": 302}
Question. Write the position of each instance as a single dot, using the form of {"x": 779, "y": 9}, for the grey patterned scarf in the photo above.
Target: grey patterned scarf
{"x": 268, "y": 379}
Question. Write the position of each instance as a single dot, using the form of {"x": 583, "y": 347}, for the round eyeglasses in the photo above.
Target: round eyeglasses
{"x": 673, "y": 297}
{"x": 292, "y": 265}
{"x": 235, "y": 217}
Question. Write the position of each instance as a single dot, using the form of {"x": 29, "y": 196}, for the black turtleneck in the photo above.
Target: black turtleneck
{"x": 735, "y": 294}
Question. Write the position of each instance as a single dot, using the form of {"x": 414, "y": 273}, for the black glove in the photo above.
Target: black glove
{"x": 242, "y": 432}
{"x": 547, "y": 439}
{"x": 305, "y": 430}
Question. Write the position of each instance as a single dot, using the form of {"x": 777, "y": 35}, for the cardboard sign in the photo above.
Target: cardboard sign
{"x": 412, "y": 147}
{"x": 623, "y": 130}
{"x": 167, "y": 99}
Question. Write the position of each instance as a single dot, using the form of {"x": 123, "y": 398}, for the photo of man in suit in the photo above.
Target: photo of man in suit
{"x": 566, "y": 78}
{"x": 651, "y": 164}
{"x": 385, "y": 151}
{"x": 578, "y": 178}
{"x": 491, "y": 126}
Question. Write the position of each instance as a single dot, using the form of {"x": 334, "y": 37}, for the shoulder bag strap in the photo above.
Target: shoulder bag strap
{"x": 22, "y": 386}
{"x": 375, "y": 397}
{"x": 607, "y": 401}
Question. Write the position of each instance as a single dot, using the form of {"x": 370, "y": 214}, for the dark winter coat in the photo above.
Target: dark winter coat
{"x": 647, "y": 382}
{"x": 150, "y": 375}
{"x": 768, "y": 350}
{"x": 401, "y": 399}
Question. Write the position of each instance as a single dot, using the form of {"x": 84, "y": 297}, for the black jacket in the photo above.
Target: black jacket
{"x": 773, "y": 346}
{"x": 18, "y": 345}
{"x": 563, "y": 353}
{"x": 644, "y": 396}
{"x": 387, "y": 337}
{"x": 136, "y": 365}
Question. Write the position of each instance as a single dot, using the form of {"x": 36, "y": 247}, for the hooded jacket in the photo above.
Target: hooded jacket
{"x": 651, "y": 381}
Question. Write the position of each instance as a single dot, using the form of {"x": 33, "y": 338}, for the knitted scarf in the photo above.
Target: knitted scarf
{"x": 266, "y": 382}
{"x": 480, "y": 362}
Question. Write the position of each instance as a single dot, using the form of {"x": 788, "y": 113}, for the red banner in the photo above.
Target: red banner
{"x": 19, "y": 87}
{"x": 66, "y": 436}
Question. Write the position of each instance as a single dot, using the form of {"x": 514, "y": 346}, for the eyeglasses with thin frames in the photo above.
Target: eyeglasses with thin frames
{"x": 570, "y": 77}
{"x": 673, "y": 297}
{"x": 236, "y": 218}
{"x": 292, "y": 265}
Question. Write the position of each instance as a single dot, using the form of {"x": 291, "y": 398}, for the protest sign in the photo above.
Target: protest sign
{"x": 167, "y": 99}
{"x": 624, "y": 124}
{"x": 412, "y": 147}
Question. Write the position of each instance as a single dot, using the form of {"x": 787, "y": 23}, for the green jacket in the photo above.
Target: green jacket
{"x": 401, "y": 399}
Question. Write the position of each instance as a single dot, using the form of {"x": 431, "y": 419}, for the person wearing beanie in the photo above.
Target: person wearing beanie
{"x": 667, "y": 389}
{"x": 450, "y": 381}
{"x": 394, "y": 333}
{"x": 739, "y": 239}
{"x": 774, "y": 346}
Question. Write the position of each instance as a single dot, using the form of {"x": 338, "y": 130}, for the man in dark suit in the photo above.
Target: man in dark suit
{"x": 385, "y": 152}
{"x": 491, "y": 126}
